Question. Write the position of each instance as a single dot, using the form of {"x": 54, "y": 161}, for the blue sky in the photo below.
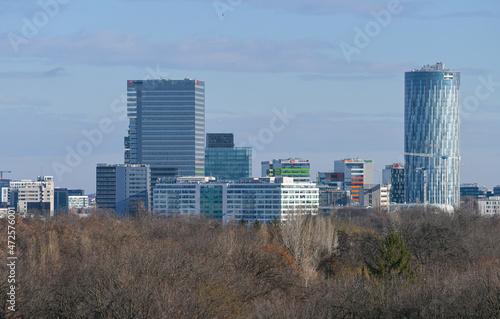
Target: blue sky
{"x": 64, "y": 66}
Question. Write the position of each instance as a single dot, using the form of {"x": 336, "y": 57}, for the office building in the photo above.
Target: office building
{"x": 298, "y": 169}
{"x": 357, "y": 172}
{"x": 60, "y": 200}
{"x": 5, "y": 196}
{"x": 121, "y": 186}
{"x": 489, "y": 206}
{"x": 473, "y": 189}
{"x": 220, "y": 140}
{"x": 375, "y": 196}
{"x": 224, "y": 161}
{"x": 4, "y": 191}
{"x": 394, "y": 175}
{"x": 432, "y": 135}
{"x": 262, "y": 199}
{"x": 78, "y": 204}
{"x": 496, "y": 191}
{"x": 34, "y": 196}
{"x": 330, "y": 179}
{"x": 4, "y": 182}
{"x": 166, "y": 127}
{"x": 76, "y": 192}
{"x": 332, "y": 196}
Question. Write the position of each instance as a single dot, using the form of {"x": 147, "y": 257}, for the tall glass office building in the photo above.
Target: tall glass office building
{"x": 432, "y": 135}
{"x": 167, "y": 126}
{"x": 224, "y": 161}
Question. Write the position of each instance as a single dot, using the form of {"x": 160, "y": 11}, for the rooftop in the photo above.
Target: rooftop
{"x": 439, "y": 66}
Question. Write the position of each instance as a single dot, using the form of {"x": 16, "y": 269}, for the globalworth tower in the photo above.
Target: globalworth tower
{"x": 432, "y": 135}
{"x": 166, "y": 126}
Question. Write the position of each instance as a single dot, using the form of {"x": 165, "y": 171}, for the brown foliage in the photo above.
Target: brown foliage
{"x": 147, "y": 267}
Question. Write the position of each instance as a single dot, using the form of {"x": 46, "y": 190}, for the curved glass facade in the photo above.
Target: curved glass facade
{"x": 432, "y": 135}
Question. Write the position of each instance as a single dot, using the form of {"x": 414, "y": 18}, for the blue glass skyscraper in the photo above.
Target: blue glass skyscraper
{"x": 432, "y": 135}
{"x": 167, "y": 126}
{"x": 224, "y": 161}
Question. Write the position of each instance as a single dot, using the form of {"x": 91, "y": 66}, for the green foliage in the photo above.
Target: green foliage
{"x": 242, "y": 222}
{"x": 275, "y": 222}
{"x": 257, "y": 225}
{"x": 391, "y": 259}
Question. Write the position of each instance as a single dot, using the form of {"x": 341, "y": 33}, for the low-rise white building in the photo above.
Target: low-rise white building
{"x": 489, "y": 206}
{"x": 37, "y": 195}
{"x": 262, "y": 199}
{"x": 5, "y": 195}
{"x": 375, "y": 196}
{"x": 78, "y": 202}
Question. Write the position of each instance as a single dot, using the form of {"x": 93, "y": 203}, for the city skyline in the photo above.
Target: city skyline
{"x": 289, "y": 84}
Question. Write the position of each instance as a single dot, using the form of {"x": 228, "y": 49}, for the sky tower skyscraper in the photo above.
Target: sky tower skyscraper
{"x": 432, "y": 135}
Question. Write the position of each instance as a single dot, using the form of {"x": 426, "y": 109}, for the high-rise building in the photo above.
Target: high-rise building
{"x": 121, "y": 187}
{"x": 298, "y": 169}
{"x": 167, "y": 126}
{"x": 395, "y": 176}
{"x": 432, "y": 135}
{"x": 357, "y": 172}
{"x": 224, "y": 161}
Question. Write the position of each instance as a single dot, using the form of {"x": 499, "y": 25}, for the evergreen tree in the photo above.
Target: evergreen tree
{"x": 392, "y": 258}
{"x": 243, "y": 222}
{"x": 257, "y": 225}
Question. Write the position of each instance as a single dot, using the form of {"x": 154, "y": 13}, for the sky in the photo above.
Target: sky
{"x": 321, "y": 80}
